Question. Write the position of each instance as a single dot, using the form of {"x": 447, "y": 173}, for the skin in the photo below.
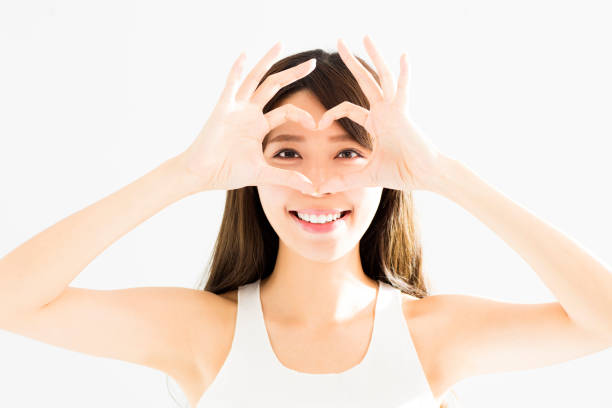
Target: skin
{"x": 318, "y": 279}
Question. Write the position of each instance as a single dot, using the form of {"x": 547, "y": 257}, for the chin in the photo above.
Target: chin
{"x": 318, "y": 250}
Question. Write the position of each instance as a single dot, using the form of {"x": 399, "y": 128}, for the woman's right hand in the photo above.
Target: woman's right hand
{"x": 227, "y": 153}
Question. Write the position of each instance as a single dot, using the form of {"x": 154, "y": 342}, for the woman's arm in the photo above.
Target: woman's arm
{"x": 38, "y": 271}
{"x": 581, "y": 283}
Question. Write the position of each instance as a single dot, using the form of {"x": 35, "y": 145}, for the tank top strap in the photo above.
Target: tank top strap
{"x": 384, "y": 342}
{"x": 389, "y": 311}
{"x": 250, "y": 332}
{"x": 396, "y": 348}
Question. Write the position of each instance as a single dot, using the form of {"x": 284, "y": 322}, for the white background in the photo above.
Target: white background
{"x": 95, "y": 94}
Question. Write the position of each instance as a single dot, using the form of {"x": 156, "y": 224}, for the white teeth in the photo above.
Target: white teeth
{"x": 318, "y": 219}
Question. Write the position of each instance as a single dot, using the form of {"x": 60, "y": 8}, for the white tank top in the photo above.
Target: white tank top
{"x": 390, "y": 374}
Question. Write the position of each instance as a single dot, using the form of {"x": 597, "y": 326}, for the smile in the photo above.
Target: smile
{"x": 324, "y": 226}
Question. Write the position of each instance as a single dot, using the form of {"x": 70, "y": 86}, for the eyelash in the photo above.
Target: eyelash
{"x": 291, "y": 150}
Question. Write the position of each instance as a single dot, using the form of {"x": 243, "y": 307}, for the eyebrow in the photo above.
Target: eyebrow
{"x": 298, "y": 138}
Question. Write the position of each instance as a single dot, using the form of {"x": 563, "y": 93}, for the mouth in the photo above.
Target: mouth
{"x": 343, "y": 214}
{"x": 324, "y": 227}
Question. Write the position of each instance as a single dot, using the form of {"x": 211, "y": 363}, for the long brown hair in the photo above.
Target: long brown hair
{"x": 247, "y": 245}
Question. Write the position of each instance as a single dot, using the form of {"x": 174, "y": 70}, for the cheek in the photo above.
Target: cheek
{"x": 273, "y": 199}
{"x": 366, "y": 200}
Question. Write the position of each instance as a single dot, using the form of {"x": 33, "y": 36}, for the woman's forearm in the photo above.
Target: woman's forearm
{"x": 581, "y": 283}
{"x": 39, "y": 270}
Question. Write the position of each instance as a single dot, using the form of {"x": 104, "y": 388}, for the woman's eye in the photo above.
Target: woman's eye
{"x": 284, "y": 151}
{"x": 350, "y": 151}
{"x": 293, "y": 151}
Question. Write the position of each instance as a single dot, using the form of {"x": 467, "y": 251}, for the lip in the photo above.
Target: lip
{"x": 321, "y": 228}
{"x": 319, "y": 211}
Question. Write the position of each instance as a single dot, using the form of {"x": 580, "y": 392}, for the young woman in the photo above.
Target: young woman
{"x": 315, "y": 295}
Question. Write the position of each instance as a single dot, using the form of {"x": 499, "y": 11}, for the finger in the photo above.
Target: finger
{"x": 233, "y": 79}
{"x": 356, "y": 113}
{"x": 287, "y": 112}
{"x": 269, "y": 175}
{"x": 366, "y": 81}
{"x": 342, "y": 182}
{"x": 273, "y": 83}
{"x": 386, "y": 78}
{"x": 402, "y": 82}
{"x": 253, "y": 78}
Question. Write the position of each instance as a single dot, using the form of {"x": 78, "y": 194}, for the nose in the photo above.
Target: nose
{"x": 318, "y": 174}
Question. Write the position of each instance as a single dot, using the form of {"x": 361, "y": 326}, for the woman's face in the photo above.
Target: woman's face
{"x": 318, "y": 158}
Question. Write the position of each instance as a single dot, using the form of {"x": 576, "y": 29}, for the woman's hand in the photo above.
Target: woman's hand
{"x": 402, "y": 158}
{"x": 227, "y": 153}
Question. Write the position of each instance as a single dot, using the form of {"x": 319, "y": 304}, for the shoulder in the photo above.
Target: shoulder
{"x": 211, "y": 317}
{"x": 216, "y": 316}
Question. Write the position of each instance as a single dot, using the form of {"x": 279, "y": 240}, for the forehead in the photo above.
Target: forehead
{"x": 306, "y": 100}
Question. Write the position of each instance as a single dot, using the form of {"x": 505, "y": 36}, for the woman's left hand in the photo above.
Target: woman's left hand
{"x": 402, "y": 158}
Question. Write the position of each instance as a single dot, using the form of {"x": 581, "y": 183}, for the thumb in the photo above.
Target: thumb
{"x": 289, "y": 178}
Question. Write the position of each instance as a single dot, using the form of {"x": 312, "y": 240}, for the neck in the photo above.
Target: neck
{"x": 309, "y": 293}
